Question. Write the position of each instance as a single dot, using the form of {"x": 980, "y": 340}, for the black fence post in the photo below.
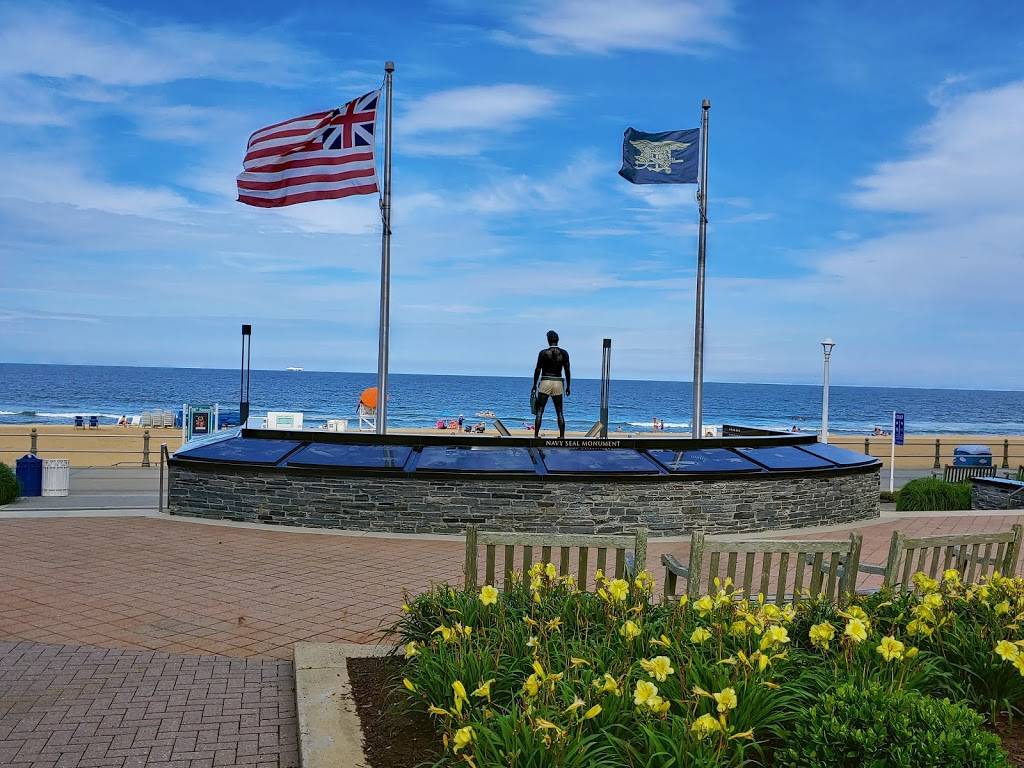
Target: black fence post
{"x": 867, "y": 446}
{"x": 145, "y": 448}
{"x": 1006, "y": 454}
{"x": 936, "y": 455}
{"x": 35, "y": 441}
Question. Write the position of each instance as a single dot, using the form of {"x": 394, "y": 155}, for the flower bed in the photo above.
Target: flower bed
{"x": 545, "y": 675}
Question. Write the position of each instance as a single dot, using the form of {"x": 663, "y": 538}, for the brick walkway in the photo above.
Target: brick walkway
{"x": 205, "y": 618}
{"x": 72, "y": 705}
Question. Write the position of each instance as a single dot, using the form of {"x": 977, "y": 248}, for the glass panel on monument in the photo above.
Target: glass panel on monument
{"x": 841, "y": 456}
{"x": 623, "y": 461}
{"x": 243, "y": 450}
{"x": 443, "y": 458}
{"x": 361, "y": 456}
{"x": 704, "y": 460}
{"x": 785, "y": 457}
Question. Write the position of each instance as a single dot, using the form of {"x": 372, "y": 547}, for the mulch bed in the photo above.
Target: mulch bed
{"x": 392, "y": 736}
{"x": 396, "y": 738}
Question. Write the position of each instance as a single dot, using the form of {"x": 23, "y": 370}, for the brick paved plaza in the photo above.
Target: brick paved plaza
{"x": 143, "y": 641}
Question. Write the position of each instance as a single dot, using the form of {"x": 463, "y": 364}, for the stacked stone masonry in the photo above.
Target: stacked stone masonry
{"x": 445, "y": 506}
{"x": 1004, "y": 495}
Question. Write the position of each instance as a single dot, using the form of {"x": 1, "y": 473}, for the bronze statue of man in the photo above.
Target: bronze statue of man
{"x": 547, "y": 382}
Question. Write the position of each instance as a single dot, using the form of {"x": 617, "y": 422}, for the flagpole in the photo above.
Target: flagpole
{"x": 385, "y": 264}
{"x": 698, "y": 326}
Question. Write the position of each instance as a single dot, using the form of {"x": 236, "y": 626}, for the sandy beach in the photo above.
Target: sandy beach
{"x": 110, "y": 446}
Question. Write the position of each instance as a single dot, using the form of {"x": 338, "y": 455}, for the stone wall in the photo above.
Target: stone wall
{"x": 666, "y": 507}
{"x": 996, "y": 494}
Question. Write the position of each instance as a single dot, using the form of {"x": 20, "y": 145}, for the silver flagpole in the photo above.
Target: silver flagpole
{"x": 385, "y": 264}
{"x": 698, "y": 327}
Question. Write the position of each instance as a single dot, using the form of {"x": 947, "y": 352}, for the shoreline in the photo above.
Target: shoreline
{"x": 112, "y": 445}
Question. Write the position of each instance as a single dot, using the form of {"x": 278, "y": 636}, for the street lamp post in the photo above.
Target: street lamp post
{"x": 826, "y": 345}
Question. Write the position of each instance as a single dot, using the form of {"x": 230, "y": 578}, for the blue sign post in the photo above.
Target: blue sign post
{"x": 897, "y": 439}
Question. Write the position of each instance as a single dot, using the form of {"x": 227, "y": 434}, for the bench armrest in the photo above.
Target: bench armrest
{"x": 673, "y": 565}
{"x": 877, "y": 570}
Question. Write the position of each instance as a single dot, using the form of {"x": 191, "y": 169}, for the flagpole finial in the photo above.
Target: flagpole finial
{"x": 389, "y": 66}
{"x": 706, "y": 104}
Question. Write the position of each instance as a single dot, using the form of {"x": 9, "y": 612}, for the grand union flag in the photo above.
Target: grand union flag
{"x": 321, "y": 156}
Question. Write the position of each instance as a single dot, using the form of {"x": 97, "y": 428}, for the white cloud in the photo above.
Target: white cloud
{"x": 571, "y": 187}
{"x": 969, "y": 158}
{"x": 605, "y": 26}
{"x": 66, "y": 42}
{"x": 503, "y": 107}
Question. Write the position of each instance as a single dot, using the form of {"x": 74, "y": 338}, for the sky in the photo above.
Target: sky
{"x": 866, "y": 182}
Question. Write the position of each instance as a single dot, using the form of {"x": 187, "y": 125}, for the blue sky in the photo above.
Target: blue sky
{"x": 865, "y": 183}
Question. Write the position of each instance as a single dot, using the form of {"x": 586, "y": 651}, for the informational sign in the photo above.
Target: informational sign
{"x": 897, "y": 428}
{"x": 199, "y": 420}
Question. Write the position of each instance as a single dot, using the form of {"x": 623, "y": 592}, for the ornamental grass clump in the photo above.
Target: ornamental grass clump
{"x": 544, "y": 674}
{"x": 927, "y": 494}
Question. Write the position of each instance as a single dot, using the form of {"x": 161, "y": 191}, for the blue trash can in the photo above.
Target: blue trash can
{"x": 972, "y": 456}
{"x": 29, "y": 470}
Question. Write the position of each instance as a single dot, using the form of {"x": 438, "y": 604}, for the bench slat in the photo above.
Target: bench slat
{"x": 780, "y": 587}
{"x": 620, "y": 563}
{"x": 766, "y": 572}
{"x": 581, "y": 579}
{"x": 489, "y": 564}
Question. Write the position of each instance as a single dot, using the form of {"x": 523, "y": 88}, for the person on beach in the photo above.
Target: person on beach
{"x": 547, "y": 382}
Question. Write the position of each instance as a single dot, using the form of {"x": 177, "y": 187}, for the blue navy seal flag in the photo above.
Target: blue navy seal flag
{"x": 669, "y": 157}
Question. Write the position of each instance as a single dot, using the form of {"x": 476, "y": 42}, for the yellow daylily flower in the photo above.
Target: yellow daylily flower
{"x": 726, "y": 700}
{"x": 1007, "y": 651}
{"x": 775, "y": 635}
{"x": 575, "y": 661}
{"x": 488, "y": 595}
{"x": 459, "y": 691}
{"x": 618, "y": 589}
{"x": 659, "y": 667}
{"x": 577, "y": 703}
{"x": 662, "y": 642}
{"x": 683, "y": 600}
{"x": 629, "y": 630}
{"x": 700, "y": 635}
{"x": 593, "y": 712}
{"x": 890, "y": 648}
{"x": 463, "y": 737}
{"x": 555, "y": 623}
{"x": 411, "y": 649}
{"x": 434, "y": 710}
{"x": 531, "y": 686}
{"x": 705, "y": 726}
{"x": 550, "y": 571}
{"x": 644, "y": 693}
{"x": 447, "y": 633}
{"x": 856, "y": 630}
{"x": 743, "y": 735}
{"x": 607, "y": 684}
{"x": 822, "y": 634}
{"x": 484, "y": 689}
{"x": 705, "y": 605}
{"x": 1002, "y": 608}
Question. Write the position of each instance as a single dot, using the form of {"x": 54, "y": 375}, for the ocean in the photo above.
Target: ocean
{"x": 54, "y": 394}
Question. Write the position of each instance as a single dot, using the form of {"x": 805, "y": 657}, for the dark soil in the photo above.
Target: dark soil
{"x": 1013, "y": 739}
{"x": 393, "y": 736}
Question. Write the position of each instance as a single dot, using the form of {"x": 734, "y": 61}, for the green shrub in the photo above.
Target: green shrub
{"x": 932, "y": 494}
{"x": 10, "y": 489}
{"x": 870, "y": 726}
{"x": 886, "y": 497}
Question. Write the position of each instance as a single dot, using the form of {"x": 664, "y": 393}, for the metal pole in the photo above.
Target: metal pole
{"x": 892, "y": 454}
{"x": 385, "y": 263}
{"x": 824, "y": 401}
{"x": 698, "y": 327}
{"x": 606, "y": 375}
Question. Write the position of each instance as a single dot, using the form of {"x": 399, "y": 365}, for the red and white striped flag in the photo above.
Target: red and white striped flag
{"x": 321, "y": 156}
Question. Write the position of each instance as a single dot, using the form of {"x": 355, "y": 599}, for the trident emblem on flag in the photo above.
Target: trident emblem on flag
{"x": 657, "y": 155}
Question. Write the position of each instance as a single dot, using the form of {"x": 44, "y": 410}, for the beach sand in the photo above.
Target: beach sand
{"x": 110, "y": 446}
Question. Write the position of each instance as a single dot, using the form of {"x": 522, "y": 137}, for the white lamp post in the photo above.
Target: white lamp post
{"x": 826, "y": 345}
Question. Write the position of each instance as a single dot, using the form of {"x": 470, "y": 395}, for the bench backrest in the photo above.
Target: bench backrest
{"x": 974, "y": 555}
{"x": 955, "y": 474}
{"x": 783, "y": 571}
{"x": 610, "y": 556}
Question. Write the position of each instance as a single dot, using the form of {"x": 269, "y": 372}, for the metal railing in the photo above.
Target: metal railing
{"x": 36, "y": 444}
{"x": 1006, "y": 453}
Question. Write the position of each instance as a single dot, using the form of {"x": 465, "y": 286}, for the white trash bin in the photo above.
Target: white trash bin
{"x": 337, "y": 425}
{"x": 56, "y": 477}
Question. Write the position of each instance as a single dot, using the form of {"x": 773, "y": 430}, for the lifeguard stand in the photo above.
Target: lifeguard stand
{"x": 367, "y": 409}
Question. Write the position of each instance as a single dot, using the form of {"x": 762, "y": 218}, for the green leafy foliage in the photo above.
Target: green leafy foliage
{"x": 10, "y": 489}
{"x": 932, "y": 494}
{"x": 872, "y": 726}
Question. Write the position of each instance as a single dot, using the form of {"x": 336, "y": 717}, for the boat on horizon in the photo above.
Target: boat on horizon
{"x": 294, "y": 368}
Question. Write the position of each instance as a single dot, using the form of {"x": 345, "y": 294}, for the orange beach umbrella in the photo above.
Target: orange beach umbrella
{"x": 368, "y": 398}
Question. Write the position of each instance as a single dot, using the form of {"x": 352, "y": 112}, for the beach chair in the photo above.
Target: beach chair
{"x": 749, "y": 564}
{"x": 79, "y": 422}
{"x": 94, "y": 422}
{"x": 628, "y": 554}
{"x": 974, "y": 555}
{"x": 135, "y": 420}
{"x": 147, "y": 419}
{"x": 169, "y": 419}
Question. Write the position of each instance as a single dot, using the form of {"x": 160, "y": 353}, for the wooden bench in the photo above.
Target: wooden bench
{"x": 827, "y": 561}
{"x": 971, "y": 554}
{"x": 628, "y": 554}
{"x": 1020, "y": 473}
{"x": 954, "y": 474}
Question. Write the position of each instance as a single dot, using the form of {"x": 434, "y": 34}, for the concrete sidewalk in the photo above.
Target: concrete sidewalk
{"x": 108, "y": 488}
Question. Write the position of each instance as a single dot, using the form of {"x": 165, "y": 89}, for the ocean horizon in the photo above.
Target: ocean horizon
{"x": 55, "y": 394}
